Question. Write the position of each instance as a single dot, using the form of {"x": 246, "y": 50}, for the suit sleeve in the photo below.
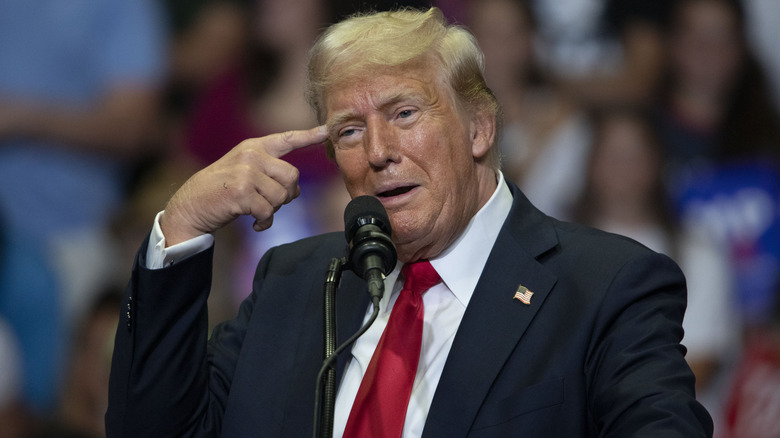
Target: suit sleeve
{"x": 639, "y": 382}
{"x": 165, "y": 381}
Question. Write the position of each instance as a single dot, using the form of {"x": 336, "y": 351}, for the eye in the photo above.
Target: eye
{"x": 403, "y": 114}
{"x": 346, "y": 132}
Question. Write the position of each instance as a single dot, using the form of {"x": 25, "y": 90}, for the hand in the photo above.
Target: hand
{"x": 251, "y": 179}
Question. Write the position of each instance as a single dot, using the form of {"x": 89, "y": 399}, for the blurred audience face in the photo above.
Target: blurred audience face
{"x": 505, "y": 34}
{"x": 625, "y": 165}
{"x": 282, "y": 24}
{"x": 706, "y": 46}
{"x": 214, "y": 41}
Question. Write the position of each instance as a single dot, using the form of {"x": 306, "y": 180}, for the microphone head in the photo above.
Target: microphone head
{"x": 365, "y": 210}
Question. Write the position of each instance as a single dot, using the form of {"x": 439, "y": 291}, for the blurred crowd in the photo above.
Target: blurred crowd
{"x": 655, "y": 119}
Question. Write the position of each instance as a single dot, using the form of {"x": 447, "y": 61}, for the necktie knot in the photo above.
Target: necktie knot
{"x": 419, "y": 276}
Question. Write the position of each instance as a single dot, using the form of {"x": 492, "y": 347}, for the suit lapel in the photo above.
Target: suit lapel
{"x": 494, "y": 321}
{"x": 352, "y": 300}
{"x": 351, "y": 304}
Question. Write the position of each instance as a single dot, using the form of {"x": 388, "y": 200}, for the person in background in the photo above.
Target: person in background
{"x": 721, "y": 132}
{"x": 84, "y": 398}
{"x": 753, "y": 407}
{"x": 206, "y": 38}
{"x": 763, "y": 32}
{"x": 82, "y": 403}
{"x": 625, "y": 194}
{"x": 545, "y": 137}
{"x": 79, "y": 100}
{"x": 603, "y": 52}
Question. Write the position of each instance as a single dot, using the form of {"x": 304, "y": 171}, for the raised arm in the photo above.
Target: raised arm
{"x": 162, "y": 381}
{"x": 251, "y": 179}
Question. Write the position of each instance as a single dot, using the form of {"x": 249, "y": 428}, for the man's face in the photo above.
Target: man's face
{"x": 398, "y": 135}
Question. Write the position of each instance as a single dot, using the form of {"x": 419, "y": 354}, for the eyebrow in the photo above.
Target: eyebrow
{"x": 386, "y": 101}
{"x": 397, "y": 97}
{"x": 338, "y": 119}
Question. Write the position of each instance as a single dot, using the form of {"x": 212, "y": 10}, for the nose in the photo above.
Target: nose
{"x": 381, "y": 144}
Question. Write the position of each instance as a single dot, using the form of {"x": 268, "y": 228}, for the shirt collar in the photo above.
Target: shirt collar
{"x": 461, "y": 265}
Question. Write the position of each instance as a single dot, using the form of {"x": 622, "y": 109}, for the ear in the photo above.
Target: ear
{"x": 483, "y": 131}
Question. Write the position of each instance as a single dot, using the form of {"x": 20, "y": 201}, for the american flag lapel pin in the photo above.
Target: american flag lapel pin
{"x": 524, "y": 295}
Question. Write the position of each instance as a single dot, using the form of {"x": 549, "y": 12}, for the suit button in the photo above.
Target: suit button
{"x": 129, "y": 313}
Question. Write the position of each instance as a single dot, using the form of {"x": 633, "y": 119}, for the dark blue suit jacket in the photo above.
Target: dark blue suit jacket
{"x": 596, "y": 353}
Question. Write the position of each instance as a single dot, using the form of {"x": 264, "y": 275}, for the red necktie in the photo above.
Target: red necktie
{"x": 381, "y": 402}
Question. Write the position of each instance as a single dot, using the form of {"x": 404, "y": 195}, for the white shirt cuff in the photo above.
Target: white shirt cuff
{"x": 158, "y": 256}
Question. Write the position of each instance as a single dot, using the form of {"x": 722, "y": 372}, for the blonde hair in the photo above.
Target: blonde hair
{"x": 396, "y": 38}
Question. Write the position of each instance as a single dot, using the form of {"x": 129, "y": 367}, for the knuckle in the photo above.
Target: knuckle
{"x": 265, "y": 211}
{"x": 242, "y": 187}
{"x": 244, "y": 146}
{"x": 287, "y": 136}
{"x": 246, "y": 154}
{"x": 280, "y": 197}
{"x": 292, "y": 174}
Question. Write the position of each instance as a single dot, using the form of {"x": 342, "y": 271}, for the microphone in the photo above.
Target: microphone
{"x": 372, "y": 253}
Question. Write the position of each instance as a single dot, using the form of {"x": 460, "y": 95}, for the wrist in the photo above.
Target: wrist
{"x": 175, "y": 229}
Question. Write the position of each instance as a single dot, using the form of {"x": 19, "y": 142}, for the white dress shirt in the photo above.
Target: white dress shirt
{"x": 459, "y": 267}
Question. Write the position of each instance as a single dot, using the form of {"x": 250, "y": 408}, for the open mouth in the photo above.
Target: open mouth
{"x": 395, "y": 192}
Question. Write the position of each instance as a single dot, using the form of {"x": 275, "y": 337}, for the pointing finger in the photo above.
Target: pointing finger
{"x": 283, "y": 143}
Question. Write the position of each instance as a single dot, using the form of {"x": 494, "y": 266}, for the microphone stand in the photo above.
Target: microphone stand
{"x": 329, "y": 383}
{"x": 326, "y": 378}
{"x": 367, "y": 229}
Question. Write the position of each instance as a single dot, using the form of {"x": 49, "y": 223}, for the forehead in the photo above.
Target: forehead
{"x": 377, "y": 87}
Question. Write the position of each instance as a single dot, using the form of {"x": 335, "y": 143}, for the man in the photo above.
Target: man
{"x": 537, "y": 328}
